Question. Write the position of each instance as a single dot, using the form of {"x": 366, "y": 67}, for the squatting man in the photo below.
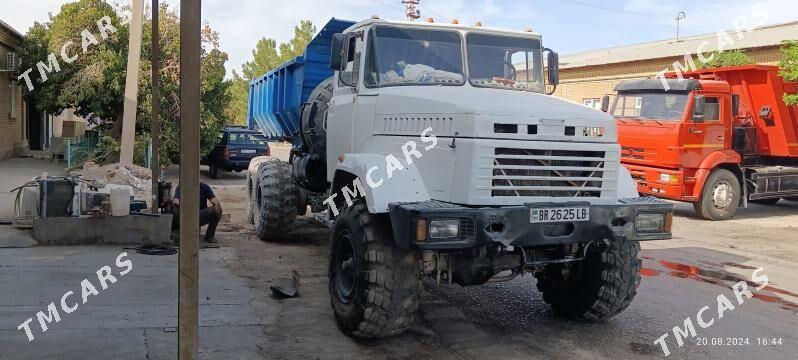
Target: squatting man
{"x": 207, "y": 216}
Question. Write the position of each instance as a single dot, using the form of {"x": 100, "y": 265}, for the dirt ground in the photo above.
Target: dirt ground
{"x": 510, "y": 320}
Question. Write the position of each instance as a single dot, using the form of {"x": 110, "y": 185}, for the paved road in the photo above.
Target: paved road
{"x": 134, "y": 318}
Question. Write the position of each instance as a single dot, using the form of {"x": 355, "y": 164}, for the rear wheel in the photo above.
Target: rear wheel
{"x": 213, "y": 171}
{"x": 374, "y": 286}
{"x": 598, "y": 287}
{"x": 720, "y": 196}
{"x": 275, "y": 197}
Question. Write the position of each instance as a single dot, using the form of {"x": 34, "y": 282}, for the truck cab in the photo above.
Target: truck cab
{"x": 677, "y": 131}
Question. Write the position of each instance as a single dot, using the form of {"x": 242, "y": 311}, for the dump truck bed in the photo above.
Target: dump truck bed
{"x": 276, "y": 98}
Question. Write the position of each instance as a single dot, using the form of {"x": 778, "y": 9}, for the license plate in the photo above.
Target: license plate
{"x": 559, "y": 214}
{"x": 247, "y": 151}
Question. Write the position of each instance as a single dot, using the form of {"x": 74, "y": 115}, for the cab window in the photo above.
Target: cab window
{"x": 349, "y": 76}
{"x": 712, "y": 109}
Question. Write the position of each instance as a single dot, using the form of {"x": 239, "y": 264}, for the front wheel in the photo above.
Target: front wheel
{"x": 720, "y": 196}
{"x": 600, "y": 286}
{"x": 374, "y": 286}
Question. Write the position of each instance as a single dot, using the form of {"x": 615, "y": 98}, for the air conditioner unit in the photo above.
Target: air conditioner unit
{"x": 12, "y": 62}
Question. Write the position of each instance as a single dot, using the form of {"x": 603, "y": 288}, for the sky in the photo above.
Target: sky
{"x": 567, "y": 26}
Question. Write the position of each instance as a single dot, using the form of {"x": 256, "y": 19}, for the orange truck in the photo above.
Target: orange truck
{"x": 718, "y": 138}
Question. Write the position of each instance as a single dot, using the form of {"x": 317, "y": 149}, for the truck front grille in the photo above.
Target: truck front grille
{"x": 547, "y": 173}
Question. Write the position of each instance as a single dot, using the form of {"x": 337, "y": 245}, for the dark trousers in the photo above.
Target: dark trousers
{"x": 207, "y": 216}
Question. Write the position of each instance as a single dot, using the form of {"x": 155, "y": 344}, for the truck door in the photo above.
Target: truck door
{"x": 340, "y": 115}
{"x": 704, "y": 133}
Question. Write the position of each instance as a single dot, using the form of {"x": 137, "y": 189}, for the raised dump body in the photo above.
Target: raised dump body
{"x": 276, "y": 98}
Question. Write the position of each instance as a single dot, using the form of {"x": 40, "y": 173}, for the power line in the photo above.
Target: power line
{"x": 611, "y": 9}
{"x": 427, "y": 8}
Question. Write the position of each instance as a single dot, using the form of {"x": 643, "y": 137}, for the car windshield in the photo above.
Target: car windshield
{"x": 414, "y": 57}
{"x": 505, "y": 62}
{"x": 245, "y": 138}
{"x": 654, "y": 106}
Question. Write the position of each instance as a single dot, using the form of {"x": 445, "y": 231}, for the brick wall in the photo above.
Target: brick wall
{"x": 12, "y": 125}
{"x": 593, "y": 82}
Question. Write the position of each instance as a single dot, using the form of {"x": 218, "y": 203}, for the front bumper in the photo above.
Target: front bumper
{"x": 510, "y": 225}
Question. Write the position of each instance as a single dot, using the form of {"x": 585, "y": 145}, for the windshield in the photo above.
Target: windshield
{"x": 245, "y": 138}
{"x": 414, "y": 57}
{"x": 505, "y": 62}
{"x": 655, "y": 106}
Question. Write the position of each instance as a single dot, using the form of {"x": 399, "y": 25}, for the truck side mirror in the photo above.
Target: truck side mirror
{"x": 699, "y": 103}
{"x": 336, "y": 51}
{"x": 554, "y": 67}
{"x": 605, "y": 103}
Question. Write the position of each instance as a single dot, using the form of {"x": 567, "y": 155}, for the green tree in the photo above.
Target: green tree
{"x": 789, "y": 67}
{"x": 726, "y": 58}
{"x": 94, "y": 83}
{"x": 266, "y": 56}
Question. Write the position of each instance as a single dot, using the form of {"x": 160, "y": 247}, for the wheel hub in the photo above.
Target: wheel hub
{"x": 345, "y": 267}
{"x": 722, "y": 195}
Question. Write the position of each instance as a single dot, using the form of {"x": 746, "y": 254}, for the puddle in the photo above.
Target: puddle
{"x": 720, "y": 278}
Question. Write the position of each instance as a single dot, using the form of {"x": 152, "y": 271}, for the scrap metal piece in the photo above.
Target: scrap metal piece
{"x": 285, "y": 287}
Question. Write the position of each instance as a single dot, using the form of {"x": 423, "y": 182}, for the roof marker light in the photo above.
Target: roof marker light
{"x": 455, "y": 21}
{"x": 430, "y": 20}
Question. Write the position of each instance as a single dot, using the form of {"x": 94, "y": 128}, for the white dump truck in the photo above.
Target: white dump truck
{"x": 435, "y": 152}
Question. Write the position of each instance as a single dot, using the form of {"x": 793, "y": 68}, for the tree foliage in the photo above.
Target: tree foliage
{"x": 789, "y": 67}
{"x": 726, "y": 58}
{"x": 266, "y": 56}
{"x": 94, "y": 83}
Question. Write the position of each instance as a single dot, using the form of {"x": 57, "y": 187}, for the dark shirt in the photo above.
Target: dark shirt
{"x": 205, "y": 194}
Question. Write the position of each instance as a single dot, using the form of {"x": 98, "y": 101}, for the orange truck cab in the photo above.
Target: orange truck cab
{"x": 718, "y": 138}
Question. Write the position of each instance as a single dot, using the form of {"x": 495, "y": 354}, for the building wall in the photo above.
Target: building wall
{"x": 12, "y": 123}
{"x": 593, "y": 82}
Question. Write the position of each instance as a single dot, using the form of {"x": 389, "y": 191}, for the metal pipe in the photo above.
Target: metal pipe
{"x": 188, "y": 275}
{"x": 155, "y": 124}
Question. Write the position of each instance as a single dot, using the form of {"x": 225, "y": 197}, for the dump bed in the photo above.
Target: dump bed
{"x": 275, "y": 99}
{"x": 761, "y": 92}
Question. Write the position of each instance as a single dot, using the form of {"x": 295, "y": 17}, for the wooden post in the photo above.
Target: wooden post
{"x": 155, "y": 124}
{"x": 131, "y": 85}
{"x": 188, "y": 275}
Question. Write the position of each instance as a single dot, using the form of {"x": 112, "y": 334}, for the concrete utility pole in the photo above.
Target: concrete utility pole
{"x": 188, "y": 272}
{"x": 155, "y": 123}
{"x": 131, "y": 85}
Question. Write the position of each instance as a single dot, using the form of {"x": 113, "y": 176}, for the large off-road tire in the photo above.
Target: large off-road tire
{"x": 598, "y": 287}
{"x": 719, "y": 197}
{"x": 374, "y": 286}
{"x": 275, "y": 196}
{"x": 251, "y": 198}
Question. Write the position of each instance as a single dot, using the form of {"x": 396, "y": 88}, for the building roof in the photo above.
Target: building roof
{"x": 5, "y": 26}
{"x": 770, "y": 35}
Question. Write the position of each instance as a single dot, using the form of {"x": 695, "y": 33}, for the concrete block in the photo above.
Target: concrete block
{"x": 132, "y": 230}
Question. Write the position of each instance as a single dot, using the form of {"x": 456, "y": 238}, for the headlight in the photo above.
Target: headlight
{"x": 650, "y": 223}
{"x": 668, "y": 178}
{"x": 441, "y": 229}
{"x": 593, "y": 131}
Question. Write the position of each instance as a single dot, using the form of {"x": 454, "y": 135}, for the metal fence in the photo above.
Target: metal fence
{"x": 80, "y": 150}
